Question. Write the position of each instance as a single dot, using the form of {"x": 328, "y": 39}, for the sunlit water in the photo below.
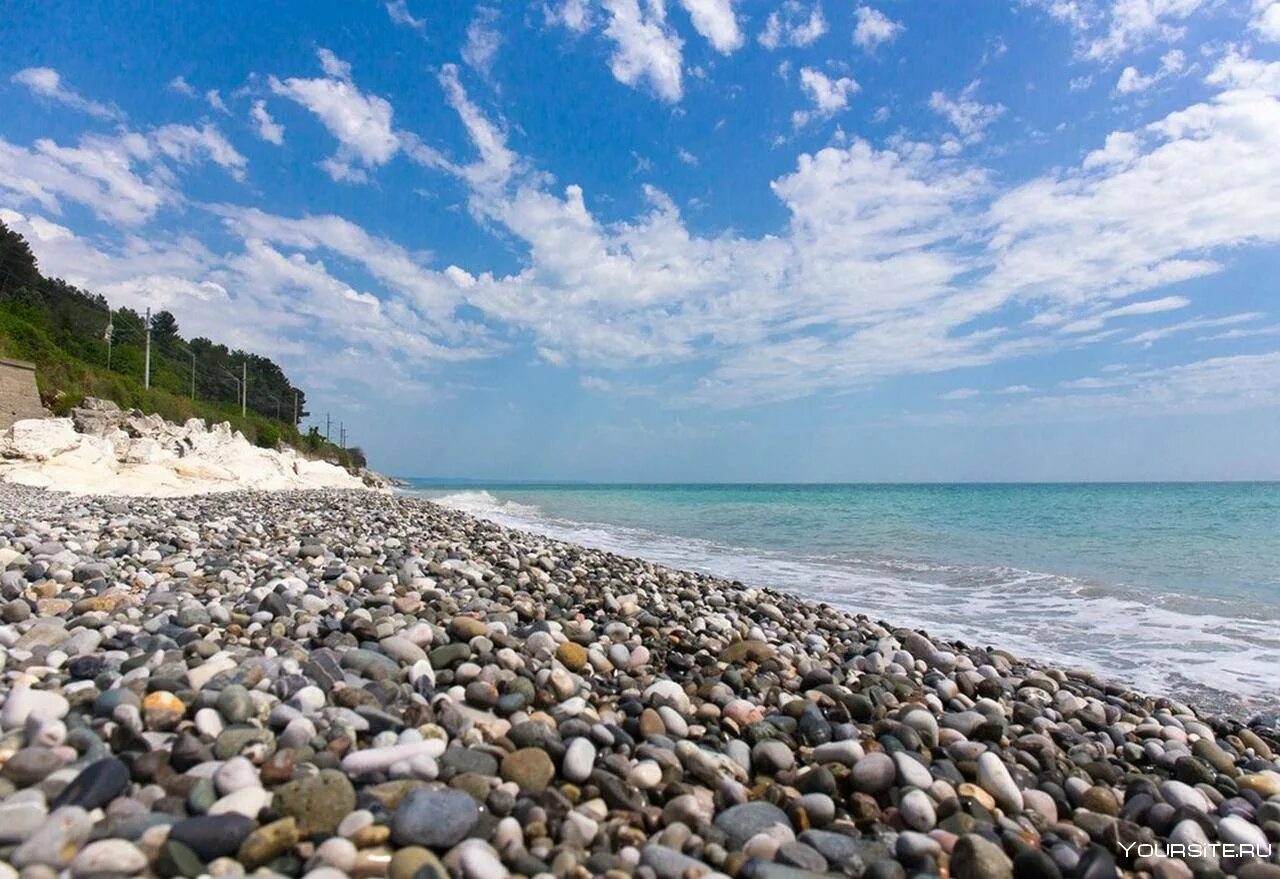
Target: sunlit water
{"x": 1168, "y": 588}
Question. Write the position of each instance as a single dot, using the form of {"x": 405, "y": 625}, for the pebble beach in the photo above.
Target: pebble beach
{"x": 346, "y": 683}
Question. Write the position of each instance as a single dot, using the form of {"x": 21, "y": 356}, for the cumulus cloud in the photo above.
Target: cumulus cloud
{"x": 1266, "y": 20}
{"x": 47, "y": 83}
{"x": 715, "y": 20}
{"x": 966, "y": 114}
{"x": 1172, "y": 63}
{"x": 873, "y": 28}
{"x": 828, "y": 96}
{"x": 794, "y": 25}
{"x": 125, "y": 179}
{"x": 361, "y": 123}
{"x": 645, "y": 47}
{"x": 1105, "y": 31}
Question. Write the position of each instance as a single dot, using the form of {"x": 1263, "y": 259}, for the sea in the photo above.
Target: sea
{"x": 1167, "y": 588}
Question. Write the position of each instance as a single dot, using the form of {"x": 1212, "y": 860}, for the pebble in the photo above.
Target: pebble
{"x": 333, "y": 685}
{"x": 434, "y": 818}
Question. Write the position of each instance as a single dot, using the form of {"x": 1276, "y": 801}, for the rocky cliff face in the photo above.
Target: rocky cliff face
{"x": 103, "y": 449}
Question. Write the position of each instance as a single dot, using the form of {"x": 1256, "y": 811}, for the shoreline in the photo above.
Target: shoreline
{"x": 491, "y": 701}
{"x": 1117, "y": 631}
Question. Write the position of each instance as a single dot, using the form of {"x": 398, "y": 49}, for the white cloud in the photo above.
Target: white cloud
{"x": 1108, "y": 29}
{"x": 1214, "y": 385}
{"x": 333, "y": 65}
{"x": 793, "y": 25}
{"x": 1201, "y": 323}
{"x": 362, "y": 123}
{"x": 874, "y": 28}
{"x": 686, "y": 157}
{"x": 483, "y": 40}
{"x": 1151, "y": 306}
{"x": 267, "y": 128}
{"x": 960, "y": 394}
{"x": 1266, "y": 22}
{"x": 645, "y": 47}
{"x": 181, "y": 86}
{"x": 1131, "y": 81}
{"x": 400, "y": 14}
{"x": 1016, "y": 389}
{"x": 1238, "y": 71}
{"x": 47, "y": 83}
{"x": 965, "y": 113}
{"x": 190, "y": 145}
{"x": 214, "y": 100}
{"x": 828, "y": 96}
{"x": 124, "y": 179}
{"x": 715, "y": 20}
{"x": 573, "y": 14}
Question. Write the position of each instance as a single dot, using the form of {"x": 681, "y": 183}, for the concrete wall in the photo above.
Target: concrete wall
{"x": 18, "y": 395}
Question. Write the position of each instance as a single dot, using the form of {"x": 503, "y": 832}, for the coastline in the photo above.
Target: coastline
{"x": 1196, "y": 636}
{"x": 492, "y": 701}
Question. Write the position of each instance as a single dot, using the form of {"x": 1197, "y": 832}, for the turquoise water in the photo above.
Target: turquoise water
{"x": 1173, "y": 588}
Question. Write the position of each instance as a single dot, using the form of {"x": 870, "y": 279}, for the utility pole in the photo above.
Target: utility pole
{"x": 295, "y": 409}
{"x": 244, "y": 388}
{"x": 146, "y": 381}
{"x": 193, "y": 375}
{"x": 342, "y": 433}
{"x": 110, "y": 331}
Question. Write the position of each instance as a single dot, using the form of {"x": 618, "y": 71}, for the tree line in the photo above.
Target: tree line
{"x": 84, "y": 325}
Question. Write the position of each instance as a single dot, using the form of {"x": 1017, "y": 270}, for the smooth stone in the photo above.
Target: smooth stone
{"x": 434, "y": 818}
{"x": 24, "y": 703}
{"x": 994, "y": 778}
{"x": 318, "y": 803}
{"x": 19, "y": 818}
{"x": 56, "y": 841}
{"x": 974, "y": 857}
{"x": 97, "y": 784}
{"x": 917, "y": 811}
{"x": 108, "y": 858}
{"x": 268, "y": 842}
{"x": 529, "y": 768}
{"x": 212, "y": 836}
{"x": 248, "y": 801}
{"x": 236, "y": 774}
{"x": 874, "y": 773}
{"x": 740, "y": 823}
{"x": 1240, "y": 832}
{"x": 846, "y": 752}
{"x": 579, "y": 760}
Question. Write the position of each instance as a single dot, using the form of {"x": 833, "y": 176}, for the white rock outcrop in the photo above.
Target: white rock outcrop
{"x": 118, "y": 453}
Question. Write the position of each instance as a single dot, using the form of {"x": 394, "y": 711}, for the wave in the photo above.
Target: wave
{"x": 1214, "y": 658}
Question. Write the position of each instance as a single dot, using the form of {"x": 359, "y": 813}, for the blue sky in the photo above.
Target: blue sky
{"x": 695, "y": 240}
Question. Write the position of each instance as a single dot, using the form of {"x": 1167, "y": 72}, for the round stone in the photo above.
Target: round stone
{"x": 744, "y": 821}
{"x": 874, "y": 773}
{"x": 434, "y": 818}
{"x": 529, "y": 768}
{"x": 579, "y": 759}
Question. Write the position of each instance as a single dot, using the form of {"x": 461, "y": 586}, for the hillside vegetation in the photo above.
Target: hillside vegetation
{"x": 64, "y": 331}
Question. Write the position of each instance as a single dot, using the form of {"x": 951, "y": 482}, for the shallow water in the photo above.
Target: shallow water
{"x": 1170, "y": 588}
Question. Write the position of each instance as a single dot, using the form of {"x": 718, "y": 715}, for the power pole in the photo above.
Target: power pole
{"x": 295, "y": 409}
{"x": 326, "y": 427}
{"x": 193, "y": 375}
{"x": 342, "y": 433}
{"x": 146, "y": 381}
{"x": 244, "y": 388}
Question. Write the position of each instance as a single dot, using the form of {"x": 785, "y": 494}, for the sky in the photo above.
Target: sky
{"x": 692, "y": 240}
